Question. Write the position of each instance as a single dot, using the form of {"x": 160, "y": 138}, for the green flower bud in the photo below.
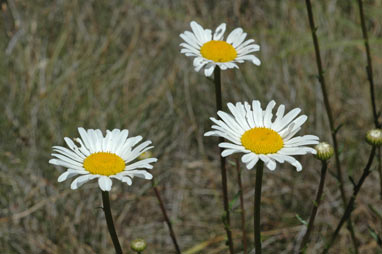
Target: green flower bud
{"x": 324, "y": 151}
{"x": 374, "y": 137}
{"x": 138, "y": 245}
{"x": 145, "y": 155}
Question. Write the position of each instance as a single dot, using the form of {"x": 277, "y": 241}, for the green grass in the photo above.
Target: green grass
{"x": 116, "y": 64}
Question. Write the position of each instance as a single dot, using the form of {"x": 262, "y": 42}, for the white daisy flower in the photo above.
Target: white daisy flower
{"x": 253, "y": 132}
{"x": 103, "y": 158}
{"x": 211, "y": 50}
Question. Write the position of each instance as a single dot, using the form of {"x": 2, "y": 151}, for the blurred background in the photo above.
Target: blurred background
{"x": 116, "y": 64}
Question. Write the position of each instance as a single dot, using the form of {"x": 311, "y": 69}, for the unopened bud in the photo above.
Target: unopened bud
{"x": 324, "y": 151}
{"x": 138, "y": 245}
{"x": 145, "y": 155}
{"x": 374, "y": 137}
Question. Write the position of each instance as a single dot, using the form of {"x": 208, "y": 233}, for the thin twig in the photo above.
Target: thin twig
{"x": 349, "y": 208}
{"x": 333, "y": 130}
{"x": 163, "y": 209}
{"x": 369, "y": 71}
{"x": 257, "y": 204}
{"x": 313, "y": 213}
{"x": 109, "y": 221}
{"x": 226, "y": 217}
{"x": 242, "y": 210}
{"x": 369, "y": 67}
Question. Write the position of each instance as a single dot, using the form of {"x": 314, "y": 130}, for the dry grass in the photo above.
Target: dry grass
{"x": 116, "y": 64}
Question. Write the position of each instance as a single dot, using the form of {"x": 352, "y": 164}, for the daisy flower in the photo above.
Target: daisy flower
{"x": 211, "y": 50}
{"x": 252, "y": 131}
{"x": 102, "y": 158}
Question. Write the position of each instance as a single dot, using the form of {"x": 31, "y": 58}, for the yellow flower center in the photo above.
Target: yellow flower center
{"x": 104, "y": 164}
{"x": 218, "y": 51}
{"x": 262, "y": 140}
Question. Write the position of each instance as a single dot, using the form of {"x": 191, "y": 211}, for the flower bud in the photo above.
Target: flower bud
{"x": 324, "y": 151}
{"x": 138, "y": 245}
{"x": 374, "y": 137}
{"x": 145, "y": 155}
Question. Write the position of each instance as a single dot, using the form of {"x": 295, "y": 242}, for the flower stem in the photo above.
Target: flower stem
{"x": 313, "y": 213}
{"x": 219, "y": 106}
{"x": 257, "y": 203}
{"x": 350, "y": 206}
{"x": 242, "y": 210}
{"x": 369, "y": 71}
{"x": 333, "y": 130}
{"x": 369, "y": 67}
{"x": 109, "y": 221}
{"x": 172, "y": 233}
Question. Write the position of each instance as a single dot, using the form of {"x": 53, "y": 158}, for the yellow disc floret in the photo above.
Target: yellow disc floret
{"x": 262, "y": 140}
{"x": 104, "y": 164}
{"x": 218, "y": 51}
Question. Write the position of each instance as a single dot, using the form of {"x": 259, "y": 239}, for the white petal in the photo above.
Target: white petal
{"x": 247, "y": 50}
{"x": 268, "y": 114}
{"x": 231, "y": 146}
{"x": 81, "y": 153}
{"x": 271, "y": 164}
{"x": 79, "y": 181}
{"x": 249, "y": 157}
{"x": 64, "y": 164}
{"x": 66, "y": 175}
{"x": 66, "y": 159}
{"x": 142, "y": 164}
{"x": 227, "y": 152}
{"x": 257, "y": 113}
{"x": 69, "y": 153}
{"x": 207, "y": 35}
{"x": 287, "y": 119}
{"x": 189, "y": 48}
{"x": 251, "y": 58}
{"x": 83, "y": 148}
{"x": 239, "y": 40}
{"x": 85, "y": 138}
{"x": 231, "y": 122}
{"x": 244, "y": 44}
{"x": 136, "y": 151}
{"x": 279, "y": 116}
{"x": 190, "y": 39}
{"x": 219, "y": 32}
{"x": 105, "y": 183}
{"x": 199, "y": 62}
{"x": 198, "y": 31}
{"x": 234, "y": 35}
{"x": 252, "y": 163}
{"x": 209, "y": 69}
{"x": 137, "y": 173}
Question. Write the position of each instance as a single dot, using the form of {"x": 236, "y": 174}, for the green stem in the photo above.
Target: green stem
{"x": 369, "y": 67}
{"x": 109, "y": 221}
{"x": 242, "y": 210}
{"x": 223, "y": 170}
{"x": 350, "y": 206}
{"x": 163, "y": 209}
{"x": 313, "y": 213}
{"x": 333, "y": 130}
{"x": 259, "y": 180}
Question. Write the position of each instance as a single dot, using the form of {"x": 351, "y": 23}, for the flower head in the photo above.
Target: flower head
{"x": 138, "y": 245}
{"x": 374, "y": 137}
{"x": 252, "y": 131}
{"x": 103, "y": 158}
{"x": 324, "y": 151}
{"x": 211, "y": 50}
